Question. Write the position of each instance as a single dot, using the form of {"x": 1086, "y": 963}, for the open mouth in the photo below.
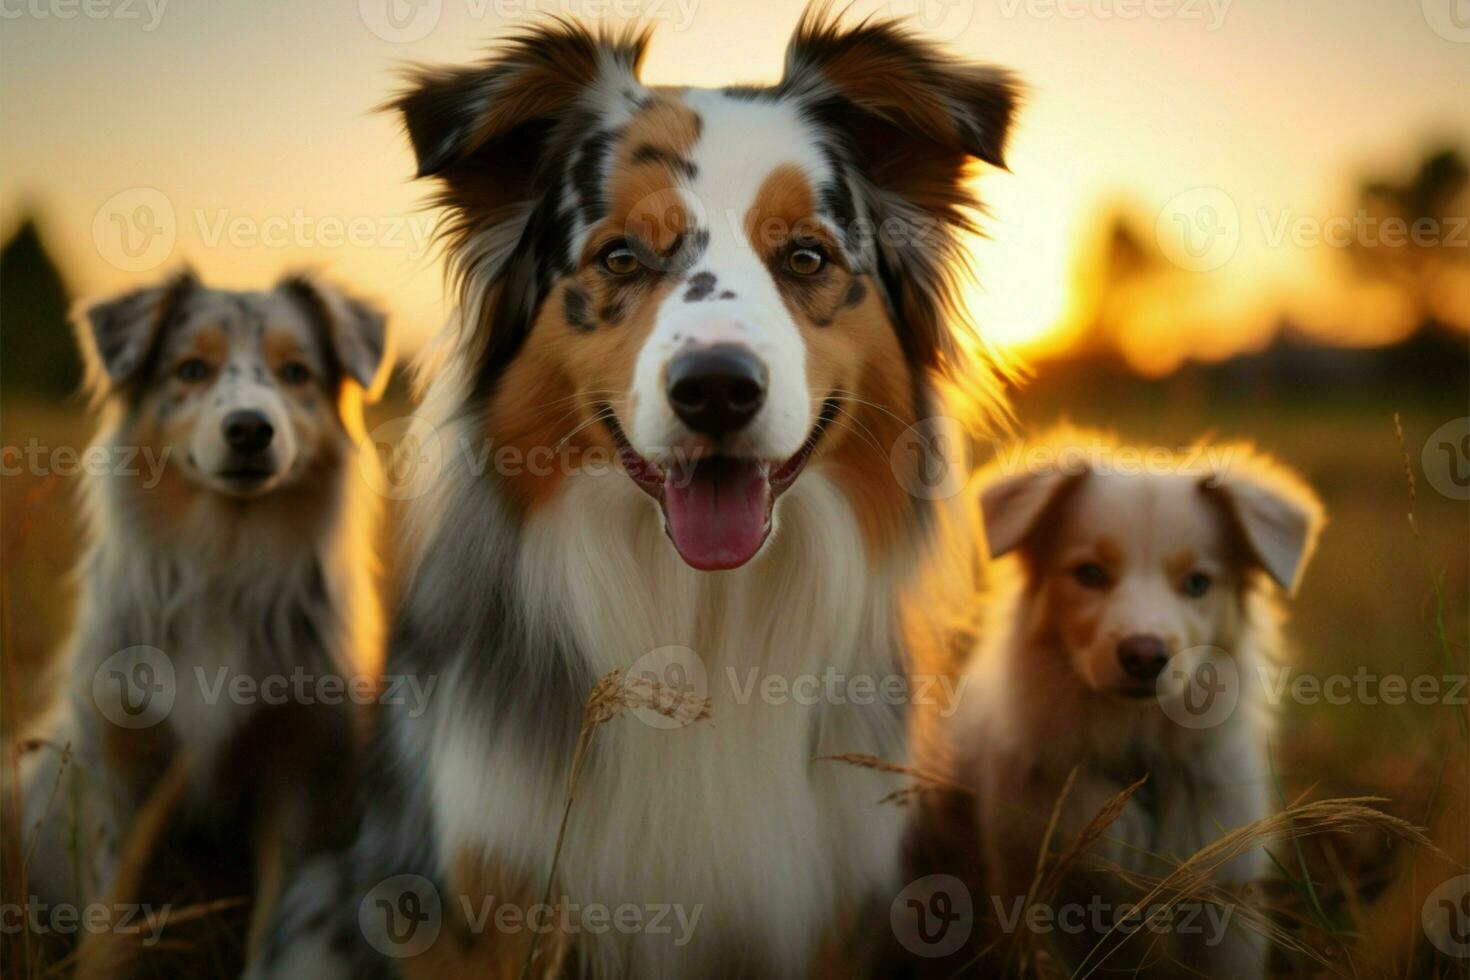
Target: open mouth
{"x": 717, "y": 508}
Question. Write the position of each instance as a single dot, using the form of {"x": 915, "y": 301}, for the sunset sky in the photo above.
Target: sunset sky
{"x": 247, "y": 133}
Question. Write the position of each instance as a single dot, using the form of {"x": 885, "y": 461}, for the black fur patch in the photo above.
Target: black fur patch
{"x": 613, "y": 313}
{"x": 588, "y": 175}
{"x": 679, "y": 165}
{"x": 701, "y": 285}
{"x": 575, "y": 306}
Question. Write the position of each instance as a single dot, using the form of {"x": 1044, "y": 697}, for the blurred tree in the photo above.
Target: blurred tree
{"x": 37, "y": 354}
{"x": 1415, "y": 236}
{"x": 1123, "y": 258}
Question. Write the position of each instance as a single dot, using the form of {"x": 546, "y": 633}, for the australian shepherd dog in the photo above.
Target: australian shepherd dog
{"x": 226, "y": 593}
{"x": 743, "y": 300}
{"x": 1131, "y": 613}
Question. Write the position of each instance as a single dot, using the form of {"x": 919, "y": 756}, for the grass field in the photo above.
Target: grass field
{"x": 1383, "y": 596}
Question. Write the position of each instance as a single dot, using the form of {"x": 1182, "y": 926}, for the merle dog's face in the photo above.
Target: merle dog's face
{"x": 241, "y": 389}
{"x": 721, "y": 286}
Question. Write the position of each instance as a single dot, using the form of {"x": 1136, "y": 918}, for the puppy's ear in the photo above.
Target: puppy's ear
{"x": 116, "y": 336}
{"x": 499, "y": 136}
{"x": 1012, "y": 507}
{"x": 355, "y": 332}
{"x": 1278, "y": 516}
{"x": 907, "y": 121}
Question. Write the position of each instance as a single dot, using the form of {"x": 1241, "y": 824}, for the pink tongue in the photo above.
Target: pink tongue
{"x": 717, "y": 514}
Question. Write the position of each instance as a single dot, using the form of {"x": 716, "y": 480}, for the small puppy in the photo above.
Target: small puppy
{"x": 1121, "y": 639}
{"x": 226, "y": 587}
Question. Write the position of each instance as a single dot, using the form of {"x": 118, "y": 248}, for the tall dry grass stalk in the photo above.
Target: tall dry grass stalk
{"x": 612, "y": 696}
{"x": 924, "y": 781}
{"x": 110, "y": 953}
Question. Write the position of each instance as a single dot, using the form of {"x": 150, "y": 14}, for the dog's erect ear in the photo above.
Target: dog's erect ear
{"x": 356, "y": 332}
{"x": 452, "y": 114}
{"x": 1012, "y": 507}
{"x": 117, "y": 335}
{"x": 895, "y": 83}
{"x": 496, "y": 135}
{"x": 1278, "y": 516}
{"x": 912, "y": 119}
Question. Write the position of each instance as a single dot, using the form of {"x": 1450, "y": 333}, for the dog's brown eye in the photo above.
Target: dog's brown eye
{"x": 806, "y": 261}
{"x": 1090, "y": 575}
{"x": 193, "y": 369}
{"x": 295, "y": 373}
{"x": 1196, "y": 584}
{"x": 619, "y": 259}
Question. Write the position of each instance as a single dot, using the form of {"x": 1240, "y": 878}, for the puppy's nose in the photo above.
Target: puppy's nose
{"x": 716, "y": 390}
{"x": 1142, "y": 656}
{"x": 247, "y": 431}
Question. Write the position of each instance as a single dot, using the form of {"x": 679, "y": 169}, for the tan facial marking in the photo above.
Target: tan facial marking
{"x": 649, "y": 165}
{"x": 211, "y": 343}
{"x": 540, "y": 415}
{"x": 279, "y": 347}
{"x": 1181, "y": 563}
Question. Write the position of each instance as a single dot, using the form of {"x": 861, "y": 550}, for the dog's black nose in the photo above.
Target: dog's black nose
{"x": 716, "y": 390}
{"x": 1143, "y": 656}
{"x": 248, "y": 431}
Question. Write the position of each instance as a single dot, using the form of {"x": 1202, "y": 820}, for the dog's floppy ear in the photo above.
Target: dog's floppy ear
{"x": 116, "y": 336}
{"x": 910, "y": 120}
{"x": 1278, "y": 516}
{"x": 1012, "y": 507}
{"x": 356, "y": 332}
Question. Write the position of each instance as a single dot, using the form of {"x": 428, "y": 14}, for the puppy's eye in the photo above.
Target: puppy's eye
{"x": 618, "y": 259}
{"x": 192, "y": 369}
{"x": 806, "y": 261}
{"x": 1090, "y": 575}
{"x": 1195, "y": 584}
{"x": 295, "y": 373}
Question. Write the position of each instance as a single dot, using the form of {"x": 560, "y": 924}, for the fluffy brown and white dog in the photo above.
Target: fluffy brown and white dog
{"x": 216, "y": 583}
{"x": 743, "y": 296}
{"x": 1129, "y": 620}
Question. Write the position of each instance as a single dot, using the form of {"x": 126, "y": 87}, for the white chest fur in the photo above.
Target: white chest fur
{"x": 736, "y": 820}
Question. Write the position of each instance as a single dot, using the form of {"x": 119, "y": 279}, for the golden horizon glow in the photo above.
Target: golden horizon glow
{"x": 203, "y": 110}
